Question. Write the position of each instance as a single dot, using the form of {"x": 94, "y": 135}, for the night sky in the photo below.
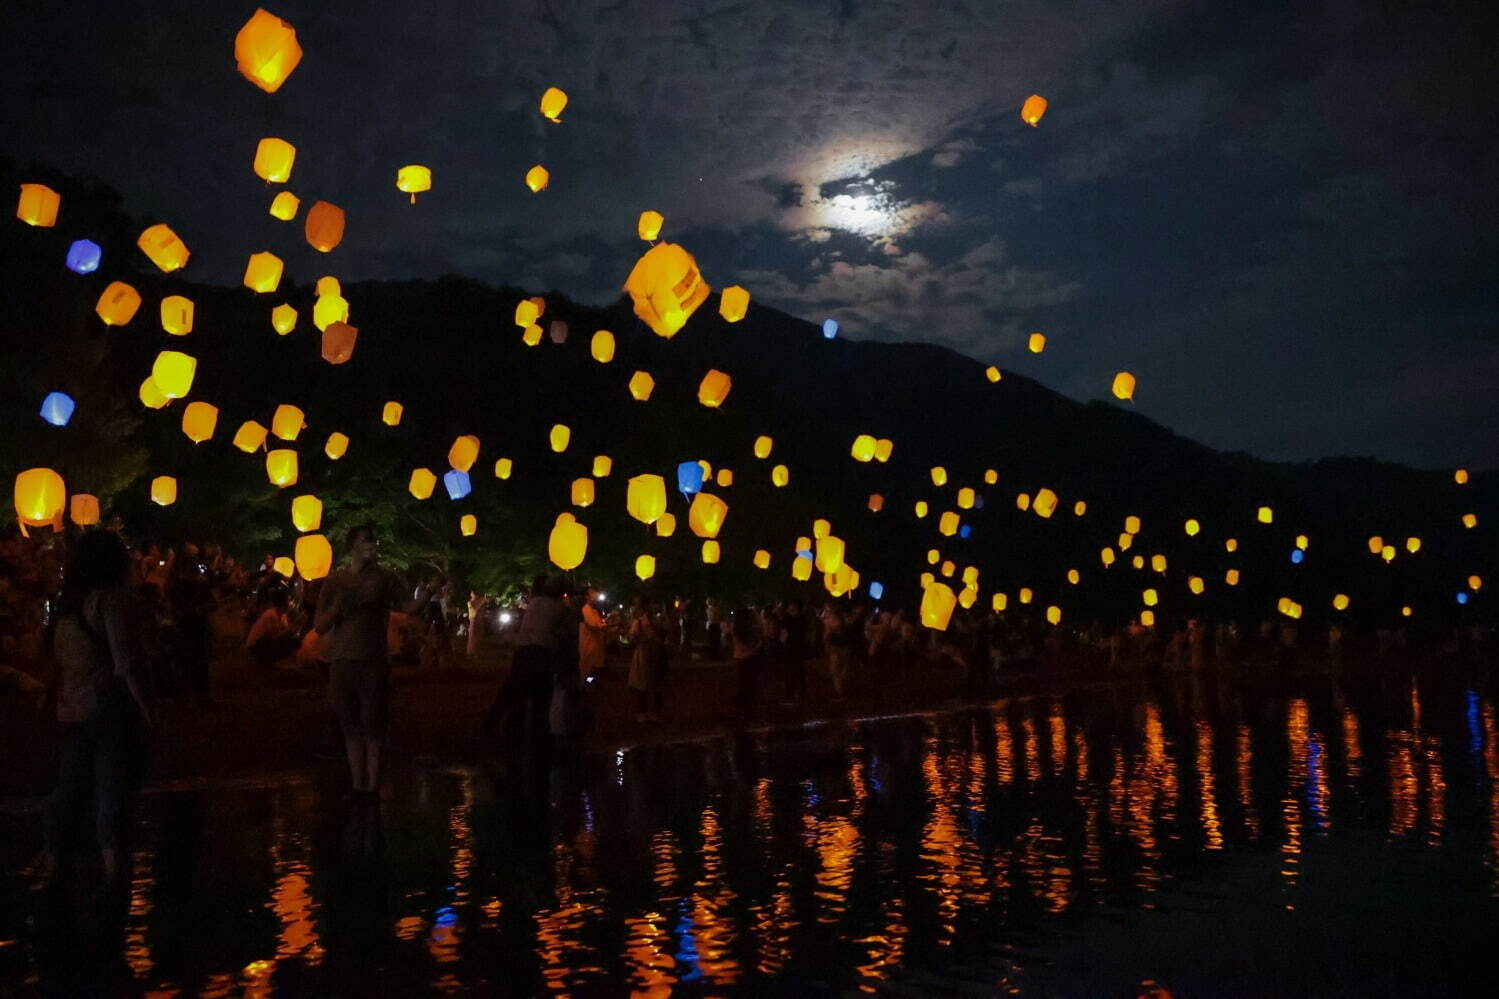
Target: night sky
{"x": 1280, "y": 217}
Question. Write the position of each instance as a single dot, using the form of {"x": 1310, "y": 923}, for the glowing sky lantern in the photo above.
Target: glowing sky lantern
{"x": 1032, "y": 110}
{"x": 307, "y": 513}
{"x": 1036, "y": 343}
{"x": 1413, "y": 545}
{"x": 284, "y": 206}
{"x": 414, "y": 179}
{"x": 689, "y": 478}
{"x": 83, "y": 509}
{"x": 526, "y": 312}
{"x": 1460, "y": 476}
{"x": 602, "y": 466}
{"x": 876, "y": 590}
{"x": 338, "y": 342}
{"x": 314, "y": 556}
{"x": 966, "y": 498}
{"x": 706, "y": 515}
{"x": 829, "y": 329}
{"x": 1106, "y": 556}
{"x": 821, "y": 528}
{"x": 761, "y": 559}
{"x": 939, "y": 475}
{"x": 421, "y": 483}
{"x": 733, "y": 304}
{"x": 1475, "y": 583}
{"x": 992, "y": 373}
{"x": 559, "y": 437}
{"x": 1231, "y": 545}
{"x": 947, "y": 524}
{"x": 163, "y": 247}
{"x": 921, "y": 509}
{"x": 999, "y": 602}
{"x": 1340, "y": 602}
{"x": 537, "y": 178}
{"x": 602, "y": 346}
{"x": 177, "y": 315}
{"x": 281, "y": 467}
{"x": 645, "y": 567}
{"x": 582, "y": 492}
{"x": 725, "y": 477}
{"x": 780, "y": 476}
{"x": 40, "y": 496}
{"x": 829, "y": 554}
{"x": 503, "y": 467}
{"x": 1044, "y": 503}
{"x": 287, "y": 422}
{"x": 273, "y": 160}
{"x": 38, "y": 205}
{"x": 266, "y": 50}
{"x": 937, "y": 604}
{"x": 463, "y": 452}
{"x": 532, "y": 335}
{"x": 457, "y": 484}
{"x": 263, "y": 272}
{"x": 863, "y": 448}
{"x": 1124, "y": 386}
{"x": 390, "y": 413}
{"x": 711, "y": 552}
{"x": 1150, "y": 598}
{"x": 641, "y": 386}
{"x": 801, "y": 569}
{"x": 1196, "y": 585}
{"x": 763, "y": 446}
{"x": 1192, "y": 527}
{"x": 557, "y": 331}
{"x": 666, "y": 287}
{"x": 1265, "y": 515}
{"x": 173, "y": 373}
{"x": 117, "y": 304}
{"x": 883, "y": 449}
{"x": 83, "y": 256}
{"x": 164, "y": 490}
{"x": 1079, "y": 508}
{"x": 876, "y": 502}
{"x": 1470, "y": 520}
{"x": 324, "y": 226}
{"x": 1147, "y": 619}
{"x": 250, "y": 437}
{"x": 1302, "y": 541}
{"x": 1125, "y": 540}
{"x": 568, "y": 543}
{"x": 714, "y": 388}
{"x": 645, "y": 498}
{"x": 199, "y": 420}
{"x": 336, "y": 446}
{"x": 648, "y": 227}
{"x": 553, "y": 100}
{"x": 57, "y": 408}
{"x": 1387, "y": 553}
{"x": 1231, "y": 577}
{"x": 468, "y": 525}
{"x": 666, "y": 525}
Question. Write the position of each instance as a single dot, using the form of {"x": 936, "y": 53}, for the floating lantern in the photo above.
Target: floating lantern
{"x": 457, "y": 484}
{"x": 421, "y": 483}
{"x": 1413, "y": 545}
{"x": 314, "y": 556}
{"x": 690, "y": 477}
{"x": 163, "y": 247}
{"x": 284, "y": 206}
{"x": 164, "y": 490}
{"x": 38, "y": 206}
{"x": 780, "y": 476}
{"x": 649, "y": 225}
{"x": 173, "y": 373}
{"x": 537, "y": 178}
{"x": 1124, "y": 386}
{"x": 532, "y": 335}
{"x": 1265, "y": 515}
{"x": 1340, "y": 602}
{"x": 801, "y": 569}
{"x": 1231, "y": 577}
{"x": 57, "y": 408}
{"x": 876, "y": 502}
{"x": 1045, "y": 503}
{"x": 937, "y": 604}
{"x": 1460, "y": 476}
{"x": 199, "y": 421}
{"x": 725, "y": 477}
{"x": 863, "y": 448}
{"x": 645, "y": 498}
{"x": 281, "y": 467}
{"x": 829, "y": 557}
{"x": 763, "y": 446}
{"x": 582, "y": 492}
{"x": 761, "y": 559}
{"x": 706, "y": 515}
{"x": 40, "y": 495}
{"x": 249, "y": 437}
{"x": 413, "y": 180}
{"x": 568, "y": 543}
{"x": 329, "y": 309}
{"x": 641, "y": 386}
{"x": 307, "y": 513}
{"x": 883, "y": 448}
{"x": 1470, "y": 520}
{"x": 390, "y": 414}
{"x": 336, "y": 446}
{"x": 273, "y": 160}
{"x": 666, "y": 525}
{"x": 338, "y": 342}
{"x": 83, "y": 509}
{"x": 992, "y": 373}
{"x": 710, "y": 552}
{"x": 733, "y": 303}
{"x": 1032, "y": 110}
{"x": 177, "y": 315}
{"x": 468, "y": 525}
{"x": 829, "y": 329}
{"x": 921, "y": 509}
{"x": 602, "y": 466}
{"x": 939, "y": 476}
{"x": 666, "y": 287}
{"x": 714, "y": 388}
{"x": 645, "y": 567}
{"x": 557, "y": 331}
{"x": 559, "y": 437}
{"x": 263, "y": 272}
{"x": 503, "y": 467}
{"x": 602, "y": 346}
{"x": 947, "y": 524}
{"x": 1036, "y": 343}
{"x": 83, "y": 256}
{"x": 287, "y": 422}
{"x": 553, "y": 100}
{"x": 266, "y": 51}
{"x": 324, "y": 227}
{"x": 117, "y": 305}
{"x": 463, "y": 452}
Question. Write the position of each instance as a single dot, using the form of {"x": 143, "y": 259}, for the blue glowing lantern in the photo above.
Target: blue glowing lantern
{"x": 57, "y": 408}
{"x": 689, "y": 478}
{"x": 876, "y": 590}
{"x": 803, "y": 553}
{"x": 1297, "y": 555}
{"x": 457, "y": 484}
{"x": 83, "y": 256}
{"x": 829, "y": 328}
{"x": 1462, "y": 598}
{"x": 965, "y": 530}
{"x": 978, "y": 502}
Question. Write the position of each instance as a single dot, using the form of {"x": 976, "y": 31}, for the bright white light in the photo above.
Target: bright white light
{"x": 603, "y": 597}
{"x": 504, "y": 617}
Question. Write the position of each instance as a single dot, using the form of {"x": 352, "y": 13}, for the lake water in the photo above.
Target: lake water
{"x": 1192, "y": 837}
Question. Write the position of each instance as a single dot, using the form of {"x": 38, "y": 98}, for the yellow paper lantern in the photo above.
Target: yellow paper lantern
{"x": 263, "y": 272}
{"x": 537, "y": 178}
{"x": 1074, "y": 577}
{"x": 177, "y": 315}
{"x": 40, "y": 496}
{"x": 281, "y": 467}
{"x": 1387, "y": 553}
{"x": 927, "y": 579}
{"x": 801, "y": 569}
{"x": 283, "y": 319}
{"x": 1231, "y": 545}
{"x": 1150, "y": 598}
{"x": 645, "y": 567}
{"x": 273, "y": 161}
{"x": 990, "y": 476}
{"x": 1460, "y": 476}
{"x": 821, "y": 528}
{"x": 947, "y": 524}
{"x": 559, "y": 437}
{"x": 1138, "y": 561}
{"x": 1124, "y": 541}
{"x": 1340, "y": 602}
{"x": 710, "y": 552}
{"x": 762, "y": 559}
{"x": 602, "y": 346}
{"x": 173, "y": 373}
{"x": 266, "y": 51}
{"x": 553, "y": 101}
{"x": 531, "y": 337}
{"x": 83, "y": 509}
{"x": 1147, "y": 619}
{"x": 1036, "y": 343}
{"x": 582, "y": 492}
{"x": 284, "y": 206}
{"x": 463, "y": 452}
{"x": 307, "y": 513}
{"x": 314, "y": 556}
{"x": 992, "y": 373}
{"x": 1265, "y": 515}
{"x": 336, "y": 446}
{"x": 779, "y": 476}
{"x": 1231, "y": 577}
{"x": 421, "y": 483}
{"x": 1405, "y": 611}
{"x": 1106, "y": 556}
{"x": 1124, "y": 386}
{"x": 921, "y": 509}
{"x": 1158, "y": 563}
{"x": 829, "y": 555}
{"x": 883, "y": 448}
{"x": 1131, "y": 524}
{"x": 1053, "y": 615}
{"x": 939, "y": 475}
{"x": 602, "y": 466}
{"x": 526, "y": 313}
{"x": 1079, "y": 508}
{"x": 117, "y": 305}
{"x": 414, "y": 179}
{"x": 666, "y": 525}
{"x": 287, "y": 422}
{"x": 324, "y": 227}
{"x": 876, "y": 502}
{"x": 327, "y": 285}
{"x": 503, "y": 467}
{"x": 284, "y": 566}
{"x": 1302, "y": 541}
{"x": 568, "y": 543}
{"x": 706, "y": 515}
{"x": 163, "y": 247}
{"x": 645, "y": 498}
{"x": 937, "y": 604}
{"x": 329, "y": 309}
{"x": 1045, "y": 503}
{"x": 714, "y": 388}
{"x": 1032, "y": 110}
{"x": 641, "y": 386}
{"x": 468, "y": 525}
{"x": 1470, "y": 520}
{"x": 763, "y": 445}
{"x": 1023, "y": 501}
{"x": 666, "y": 287}
{"x": 390, "y": 414}
{"x": 199, "y": 420}
{"x": 338, "y": 342}
{"x": 648, "y": 227}
{"x": 999, "y": 602}
{"x": 733, "y": 304}
{"x": 164, "y": 490}
{"x": 38, "y": 205}
{"x": 249, "y": 437}
{"x": 1413, "y": 545}
{"x": 1475, "y": 582}
{"x": 724, "y": 478}
{"x": 863, "y": 448}
{"x": 1192, "y": 527}
{"x": 1196, "y": 585}
{"x": 151, "y": 396}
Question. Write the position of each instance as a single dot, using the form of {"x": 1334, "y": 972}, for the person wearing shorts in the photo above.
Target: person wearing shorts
{"x": 353, "y": 611}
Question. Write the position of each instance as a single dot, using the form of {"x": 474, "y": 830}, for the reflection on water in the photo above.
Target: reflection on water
{"x": 943, "y": 852}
